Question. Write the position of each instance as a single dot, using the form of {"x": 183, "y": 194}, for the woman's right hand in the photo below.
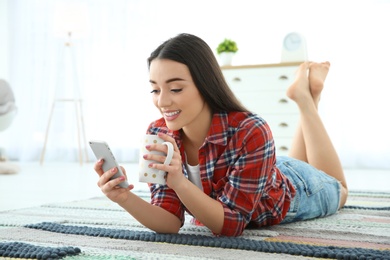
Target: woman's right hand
{"x": 110, "y": 187}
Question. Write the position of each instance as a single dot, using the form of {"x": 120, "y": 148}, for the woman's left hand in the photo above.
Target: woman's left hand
{"x": 174, "y": 170}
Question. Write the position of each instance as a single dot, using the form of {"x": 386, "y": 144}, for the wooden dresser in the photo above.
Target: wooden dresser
{"x": 262, "y": 89}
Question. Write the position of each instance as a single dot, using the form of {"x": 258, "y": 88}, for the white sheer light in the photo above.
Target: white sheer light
{"x": 112, "y": 59}
{"x": 70, "y": 17}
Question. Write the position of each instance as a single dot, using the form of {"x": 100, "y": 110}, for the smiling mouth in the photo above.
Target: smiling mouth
{"x": 171, "y": 115}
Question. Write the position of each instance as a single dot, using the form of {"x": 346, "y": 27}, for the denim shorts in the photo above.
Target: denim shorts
{"x": 317, "y": 194}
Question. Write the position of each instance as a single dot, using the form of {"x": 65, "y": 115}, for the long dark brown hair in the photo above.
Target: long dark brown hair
{"x": 193, "y": 52}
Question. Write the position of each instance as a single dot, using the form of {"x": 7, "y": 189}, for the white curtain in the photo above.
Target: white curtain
{"x": 111, "y": 64}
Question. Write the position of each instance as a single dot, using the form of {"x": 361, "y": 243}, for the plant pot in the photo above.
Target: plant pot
{"x": 225, "y": 58}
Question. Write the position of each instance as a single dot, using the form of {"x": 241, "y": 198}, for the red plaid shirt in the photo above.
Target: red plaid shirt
{"x": 237, "y": 168}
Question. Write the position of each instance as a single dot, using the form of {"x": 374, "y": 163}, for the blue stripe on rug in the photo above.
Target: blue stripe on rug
{"x": 366, "y": 208}
{"x": 222, "y": 242}
{"x": 24, "y": 250}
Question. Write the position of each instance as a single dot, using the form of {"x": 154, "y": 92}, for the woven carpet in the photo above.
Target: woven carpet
{"x": 99, "y": 229}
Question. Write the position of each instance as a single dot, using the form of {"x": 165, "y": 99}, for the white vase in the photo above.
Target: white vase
{"x": 225, "y": 58}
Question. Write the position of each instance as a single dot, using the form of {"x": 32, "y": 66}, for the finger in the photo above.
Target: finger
{"x": 162, "y": 148}
{"x": 155, "y": 157}
{"x": 113, "y": 184}
{"x": 170, "y": 139}
{"x": 157, "y": 147}
{"x": 105, "y": 177}
{"x": 124, "y": 171}
{"x": 174, "y": 166}
{"x": 98, "y": 167}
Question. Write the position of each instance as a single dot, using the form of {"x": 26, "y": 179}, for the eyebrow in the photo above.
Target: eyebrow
{"x": 168, "y": 81}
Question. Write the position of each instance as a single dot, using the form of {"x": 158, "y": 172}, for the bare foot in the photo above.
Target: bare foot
{"x": 317, "y": 76}
{"x": 299, "y": 91}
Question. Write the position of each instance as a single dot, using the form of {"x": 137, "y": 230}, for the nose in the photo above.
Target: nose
{"x": 164, "y": 99}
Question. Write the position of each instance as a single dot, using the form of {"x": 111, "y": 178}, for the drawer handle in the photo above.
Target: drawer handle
{"x": 283, "y": 101}
{"x": 237, "y": 79}
{"x": 283, "y": 148}
{"x": 283, "y": 77}
{"x": 283, "y": 124}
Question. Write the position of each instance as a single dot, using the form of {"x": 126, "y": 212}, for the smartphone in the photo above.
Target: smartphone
{"x": 102, "y": 150}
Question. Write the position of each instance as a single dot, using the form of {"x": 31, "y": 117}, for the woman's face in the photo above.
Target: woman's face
{"x": 176, "y": 96}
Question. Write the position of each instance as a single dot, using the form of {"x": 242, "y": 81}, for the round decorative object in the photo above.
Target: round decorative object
{"x": 292, "y": 41}
{"x": 294, "y": 48}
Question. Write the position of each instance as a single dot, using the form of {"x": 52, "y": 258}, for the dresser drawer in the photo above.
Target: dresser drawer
{"x": 250, "y": 79}
{"x": 267, "y": 102}
{"x": 282, "y": 146}
{"x": 262, "y": 90}
{"x": 282, "y": 125}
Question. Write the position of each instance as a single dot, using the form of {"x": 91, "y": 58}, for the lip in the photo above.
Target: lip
{"x": 171, "y": 115}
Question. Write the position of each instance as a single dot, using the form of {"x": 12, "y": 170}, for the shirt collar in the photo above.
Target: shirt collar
{"x": 218, "y": 132}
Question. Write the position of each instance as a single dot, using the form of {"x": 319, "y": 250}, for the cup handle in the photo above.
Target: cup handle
{"x": 168, "y": 159}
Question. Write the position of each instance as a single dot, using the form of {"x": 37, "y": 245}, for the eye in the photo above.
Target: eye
{"x": 176, "y": 90}
{"x": 154, "y": 91}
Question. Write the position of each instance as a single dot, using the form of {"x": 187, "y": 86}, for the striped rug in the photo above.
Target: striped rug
{"x": 99, "y": 229}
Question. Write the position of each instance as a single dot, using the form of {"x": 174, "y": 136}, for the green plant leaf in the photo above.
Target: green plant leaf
{"x": 227, "y": 45}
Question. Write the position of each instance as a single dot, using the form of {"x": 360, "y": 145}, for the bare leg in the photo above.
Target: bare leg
{"x": 312, "y": 138}
{"x": 298, "y": 147}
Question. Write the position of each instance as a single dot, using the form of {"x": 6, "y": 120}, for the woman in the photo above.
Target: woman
{"x": 224, "y": 170}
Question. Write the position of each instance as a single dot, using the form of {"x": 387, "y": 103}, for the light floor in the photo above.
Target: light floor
{"x": 37, "y": 184}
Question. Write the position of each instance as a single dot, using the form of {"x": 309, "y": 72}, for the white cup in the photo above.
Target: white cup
{"x": 151, "y": 175}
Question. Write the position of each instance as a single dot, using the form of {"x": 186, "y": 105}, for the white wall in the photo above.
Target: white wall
{"x": 351, "y": 34}
{"x": 3, "y": 40}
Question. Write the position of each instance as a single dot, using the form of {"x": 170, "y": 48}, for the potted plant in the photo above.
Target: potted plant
{"x": 226, "y": 50}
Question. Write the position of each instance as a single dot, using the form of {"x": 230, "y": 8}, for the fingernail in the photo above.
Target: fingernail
{"x": 113, "y": 169}
{"x": 145, "y": 156}
{"x": 150, "y": 165}
{"x": 147, "y": 147}
{"x": 122, "y": 178}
